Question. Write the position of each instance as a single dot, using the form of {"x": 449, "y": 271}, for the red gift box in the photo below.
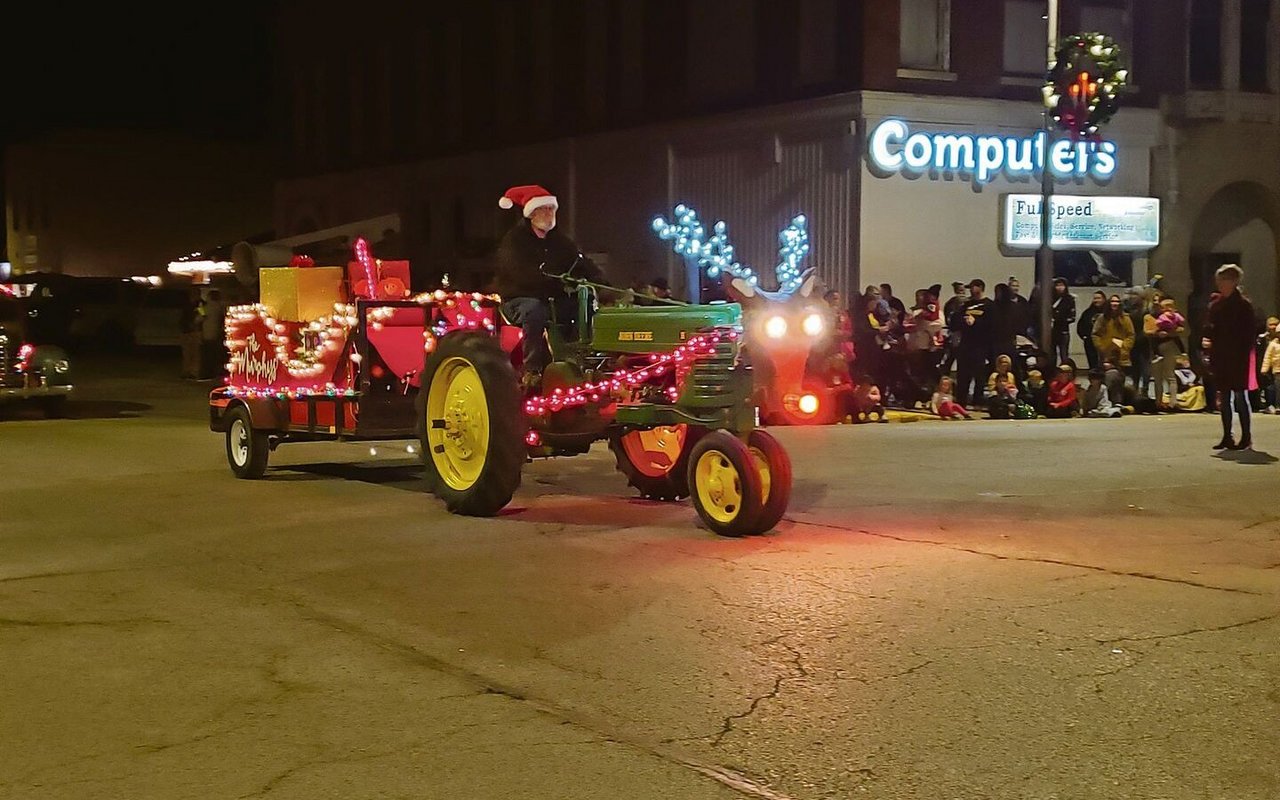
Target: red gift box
{"x": 393, "y": 279}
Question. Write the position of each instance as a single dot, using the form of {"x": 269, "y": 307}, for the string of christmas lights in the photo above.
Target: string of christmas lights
{"x": 715, "y": 255}
{"x": 675, "y": 364}
{"x": 471, "y": 311}
{"x": 301, "y": 362}
{"x": 793, "y": 246}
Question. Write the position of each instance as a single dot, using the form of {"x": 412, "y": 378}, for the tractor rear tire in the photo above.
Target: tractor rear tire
{"x": 774, "y": 466}
{"x": 471, "y": 425}
{"x": 726, "y": 484}
{"x": 656, "y": 461}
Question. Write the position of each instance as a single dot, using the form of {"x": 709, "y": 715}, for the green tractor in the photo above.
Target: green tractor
{"x": 666, "y": 386}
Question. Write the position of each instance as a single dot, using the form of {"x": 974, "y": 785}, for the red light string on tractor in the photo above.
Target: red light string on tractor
{"x": 678, "y": 363}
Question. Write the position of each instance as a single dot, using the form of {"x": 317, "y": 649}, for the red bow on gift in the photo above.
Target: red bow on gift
{"x": 302, "y": 261}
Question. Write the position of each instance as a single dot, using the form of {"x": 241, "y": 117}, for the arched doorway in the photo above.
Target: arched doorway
{"x": 1239, "y": 224}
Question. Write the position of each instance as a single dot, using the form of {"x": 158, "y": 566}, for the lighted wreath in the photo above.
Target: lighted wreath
{"x": 1083, "y": 87}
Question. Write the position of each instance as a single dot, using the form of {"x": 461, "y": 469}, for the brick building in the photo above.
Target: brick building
{"x": 754, "y": 110}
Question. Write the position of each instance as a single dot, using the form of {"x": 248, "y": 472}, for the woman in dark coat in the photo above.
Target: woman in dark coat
{"x": 1232, "y": 326}
{"x": 1008, "y": 323}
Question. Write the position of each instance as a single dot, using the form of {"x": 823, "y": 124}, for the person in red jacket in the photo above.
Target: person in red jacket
{"x": 1063, "y": 402}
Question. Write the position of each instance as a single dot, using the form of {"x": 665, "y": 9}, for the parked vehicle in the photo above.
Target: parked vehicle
{"x": 30, "y": 372}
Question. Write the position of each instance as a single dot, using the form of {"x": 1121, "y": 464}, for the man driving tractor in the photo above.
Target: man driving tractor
{"x": 532, "y": 251}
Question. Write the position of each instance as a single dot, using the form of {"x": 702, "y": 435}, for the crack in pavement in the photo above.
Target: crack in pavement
{"x": 798, "y": 671}
{"x": 561, "y": 714}
{"x": 75, "y": 573}
{"x": 272, "y": 784}
{"x": 1192, "y": 632}
{"x": 7, "y": 622}
{"x": 1027, "y": 559}
{"x": 891, "y": 676}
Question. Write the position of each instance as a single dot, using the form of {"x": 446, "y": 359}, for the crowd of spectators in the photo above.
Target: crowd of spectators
{"x": 974, "y": 353}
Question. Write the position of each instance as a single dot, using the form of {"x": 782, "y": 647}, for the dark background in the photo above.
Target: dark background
{"x": 198, "y": 68}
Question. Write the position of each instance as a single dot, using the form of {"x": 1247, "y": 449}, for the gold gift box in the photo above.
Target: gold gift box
{"x": 300, "y": 294}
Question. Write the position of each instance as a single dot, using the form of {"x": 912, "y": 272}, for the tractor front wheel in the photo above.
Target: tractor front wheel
{"x": 774, "y": 466}
{"x": 655, "y": 460}
{"x": 725, "y": 480}
{"x": 471, "y": 425}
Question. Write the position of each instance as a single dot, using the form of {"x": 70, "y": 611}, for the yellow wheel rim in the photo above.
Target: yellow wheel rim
{"x": 762, "y": 466}
{"x": 719, "y": 486}
{"x": 457, "y": 423}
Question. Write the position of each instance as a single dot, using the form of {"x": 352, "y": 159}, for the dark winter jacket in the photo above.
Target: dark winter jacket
{"x": 1064, "y": 313}
{"x": 1022, "y": 315}
{"x": 518, "y": 262}
{"x": 979, "y": 337}
{"x": 1084, "y": 328}
{"x": 1231, "y": 331}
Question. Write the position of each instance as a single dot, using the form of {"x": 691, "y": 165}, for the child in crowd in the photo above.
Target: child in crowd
{"x": 1170, "y": 321}
{"x": 1037, "y": 392}
{"x": 868, "y": 405}
{"x": 1190, "y": 392}
{"x": 1096, "y": 401}
{"x": 1271, "y": 366}
{"x": 1062, "y": 394}
{"x": 944, "y": 402}
{"x": 1003, "y": 389}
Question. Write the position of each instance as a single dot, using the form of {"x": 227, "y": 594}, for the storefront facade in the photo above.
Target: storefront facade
{"x": 869, "y": 222}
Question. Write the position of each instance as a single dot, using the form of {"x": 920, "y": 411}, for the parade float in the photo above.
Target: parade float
{"x": 352, "y": 354}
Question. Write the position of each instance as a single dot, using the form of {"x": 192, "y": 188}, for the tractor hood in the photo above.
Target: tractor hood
{"x": 657, "y": 329}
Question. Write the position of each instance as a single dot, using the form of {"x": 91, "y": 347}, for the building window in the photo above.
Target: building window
{"x": 1092, "y": 268}
{"x": 1026, "y": 36}
{"x": 1113, "y": 21}
{"x": 924, "y": 34}
{"x": 1204, "y": 45}
{"x": 1255, "y": 32}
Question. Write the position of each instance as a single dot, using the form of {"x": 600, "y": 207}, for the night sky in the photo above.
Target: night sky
{"x": 198, "y": 68}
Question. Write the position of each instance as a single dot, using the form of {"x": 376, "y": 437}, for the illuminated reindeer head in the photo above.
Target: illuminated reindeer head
{"x": 782, "y": 326}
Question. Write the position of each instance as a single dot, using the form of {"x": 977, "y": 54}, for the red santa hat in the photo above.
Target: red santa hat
{"x": 529, "y": 198}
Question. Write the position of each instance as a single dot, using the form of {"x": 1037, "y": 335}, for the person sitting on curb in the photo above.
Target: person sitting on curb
{"x": 1004, "y": 389}
{"x": 944, "y": 402}
{"x": 1190, "y": 389}
{"x": 1063, "y": 402}
{"x": 1096, "y": 402}
{"x": 1037, "y": 392}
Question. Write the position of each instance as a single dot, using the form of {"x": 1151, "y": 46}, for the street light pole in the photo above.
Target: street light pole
{"x": 1044, "y": 255}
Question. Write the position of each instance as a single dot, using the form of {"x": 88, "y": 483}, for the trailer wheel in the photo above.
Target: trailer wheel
{"x": 774, "y": 466}
{"x": 655, "y": 460}
{"x": 472, "y": 426}
{"x": 726, "y": 484}
{"x": 247, "y": 449}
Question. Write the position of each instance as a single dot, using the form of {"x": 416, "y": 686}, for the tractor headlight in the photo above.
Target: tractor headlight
{"x": 808, "y": 404}
{"x": 775, "y": 327}
{"x": 813, "y": 324}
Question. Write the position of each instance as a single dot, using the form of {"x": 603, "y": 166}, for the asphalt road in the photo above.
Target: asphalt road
{"x": 1050, "y": 609}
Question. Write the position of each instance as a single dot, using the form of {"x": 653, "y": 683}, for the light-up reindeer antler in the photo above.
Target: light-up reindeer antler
{"x": 714, "y": 255}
